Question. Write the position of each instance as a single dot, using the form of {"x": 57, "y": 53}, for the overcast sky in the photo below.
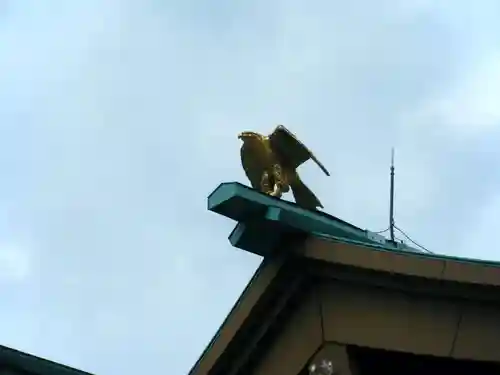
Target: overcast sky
{"x": 119, "y": 117}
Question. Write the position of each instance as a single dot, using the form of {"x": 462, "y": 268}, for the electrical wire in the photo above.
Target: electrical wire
{"x": 382, "y": 231}
{"x": 415, "y": 243}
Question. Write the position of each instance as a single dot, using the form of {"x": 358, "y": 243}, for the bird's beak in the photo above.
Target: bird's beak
{"x": 243, "y": 135}
{"x": 246, "y": 135}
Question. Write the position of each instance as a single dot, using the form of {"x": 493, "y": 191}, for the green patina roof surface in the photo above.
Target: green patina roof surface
{"x": 32, "y": 365}
{"x": 262, "y": 219}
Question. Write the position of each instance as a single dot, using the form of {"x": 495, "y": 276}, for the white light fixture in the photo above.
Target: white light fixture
{"x": 324, "y": 367}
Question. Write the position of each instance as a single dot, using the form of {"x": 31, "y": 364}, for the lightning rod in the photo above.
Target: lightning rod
{"x": 391, "y": 201}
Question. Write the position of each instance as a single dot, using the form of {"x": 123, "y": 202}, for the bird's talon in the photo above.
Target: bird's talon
{"x": 276, "y": 191}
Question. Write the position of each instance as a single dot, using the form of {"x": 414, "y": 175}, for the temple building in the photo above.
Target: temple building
{"x": 331, "y": 298}
{"x": 14, "y": 362}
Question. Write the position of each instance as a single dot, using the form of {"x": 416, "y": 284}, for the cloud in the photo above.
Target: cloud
{"x": 117, "y": 120}
{"x": 470, "y": 106}
{"x": 477, "y": 242}
{"x": 15, "y": 263}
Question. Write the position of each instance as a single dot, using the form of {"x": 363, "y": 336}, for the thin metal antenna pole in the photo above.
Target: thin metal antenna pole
{"x": 391, "y": 202}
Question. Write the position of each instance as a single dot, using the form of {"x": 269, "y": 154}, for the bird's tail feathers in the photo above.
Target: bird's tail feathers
{"x": 304, "y": 197}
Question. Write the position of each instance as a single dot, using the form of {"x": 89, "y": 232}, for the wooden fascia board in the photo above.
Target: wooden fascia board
{"x": 402, "y": 263}
{"x": 265, "y": 275}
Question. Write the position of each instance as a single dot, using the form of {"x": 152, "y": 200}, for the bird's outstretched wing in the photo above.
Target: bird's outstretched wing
{"x": 250, "y": 162}
{"x": 290, "y": 149}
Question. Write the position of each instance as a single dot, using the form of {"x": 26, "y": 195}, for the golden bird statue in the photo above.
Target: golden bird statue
{"x": 271, "y": 162}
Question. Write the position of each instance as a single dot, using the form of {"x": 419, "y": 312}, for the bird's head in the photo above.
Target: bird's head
{"x": 247, "y": 136}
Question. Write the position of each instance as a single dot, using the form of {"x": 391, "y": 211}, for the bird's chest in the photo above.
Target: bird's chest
{"x": 262, "y": 154}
